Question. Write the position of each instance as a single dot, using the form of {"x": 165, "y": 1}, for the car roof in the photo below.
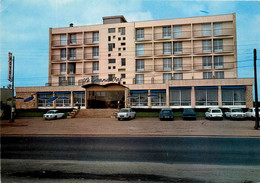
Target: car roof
{"x": 166, "y": 109}
{"x": 53, "y": 110}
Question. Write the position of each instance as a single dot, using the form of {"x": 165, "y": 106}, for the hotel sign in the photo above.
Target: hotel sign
{"x": 100, "y": 80}
{"x": 10, "y": 56}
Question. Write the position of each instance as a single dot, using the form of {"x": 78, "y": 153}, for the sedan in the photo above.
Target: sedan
{"x": 235, "y": 113}
{"x": 189, "y": 113}
{"x": 214, "y": 113}
{"x": 126, "y": 113}
{"x": 251, "y": 113}
{"x": 53, "y": 114}
{"x": 166, "y": 114}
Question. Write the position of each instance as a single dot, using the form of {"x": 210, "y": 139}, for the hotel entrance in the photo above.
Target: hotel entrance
{"x": 111, "y": 95}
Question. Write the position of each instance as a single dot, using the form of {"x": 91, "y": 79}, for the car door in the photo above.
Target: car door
{"x": 207, "y": 113}
{"x": 228, "y": 113}
{"x": 249, "y": 113}
{"x": 132, "y": 113}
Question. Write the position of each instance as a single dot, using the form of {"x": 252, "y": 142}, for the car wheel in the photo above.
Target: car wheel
{"x": 129, "y": 117}
{"x": 134, "y": 116}
{"x": 55, "y": 117}
{"x": 63, "y": 116}
{"x": 118, "y": 119}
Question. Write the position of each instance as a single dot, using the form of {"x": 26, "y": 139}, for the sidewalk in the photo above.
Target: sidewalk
{"x": 135, "y": 127}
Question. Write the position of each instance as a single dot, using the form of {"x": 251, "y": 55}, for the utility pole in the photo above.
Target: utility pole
{"x": 256, "y": 95}
{"x": 11, "y": 79}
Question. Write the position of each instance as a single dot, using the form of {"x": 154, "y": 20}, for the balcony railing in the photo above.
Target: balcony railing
{"x": 90, "y": 56}
{"x": 144, "y": 53}
{"x": 62, "y": 72}
{"x": 145, "y": 37}
{"x": 208, "y": 33}
{"x": 91, "y": 41}
{"x": 90, "y": 71}
{"x": 161, "y": 68}
{"x": 181, "y": 34}
{"x": 75, "y": 57}
{"x": 58, "y": 57}
{"x": 160, "y": 52}
{"x": 146, "y": 68}
{"x": 161, "y": 36}
{"x": 75, "y": 42}
{"x": 59, "y": 43}
{"x": 224, "y": 49}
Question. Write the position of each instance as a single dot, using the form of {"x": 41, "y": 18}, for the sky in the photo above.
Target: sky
{"x": 24, "y": 28}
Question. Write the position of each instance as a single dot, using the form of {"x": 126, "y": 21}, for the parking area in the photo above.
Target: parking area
{"x": 134, "y": 127}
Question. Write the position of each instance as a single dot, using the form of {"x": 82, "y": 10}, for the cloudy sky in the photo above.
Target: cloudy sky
{"x": 24, "y": 28}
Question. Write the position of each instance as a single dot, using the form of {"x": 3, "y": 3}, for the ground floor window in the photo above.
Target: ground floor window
{"x": 206, "y": 96}
{"x": 43, "y": 99}
{"x": 79, "y": 98}
{"x": 233, "y": 95}
{"x": 140, "y": 99}
{"x": 180, "y": 96}
{"x": 158, "y": 97}
{"x": 63, "y": 99}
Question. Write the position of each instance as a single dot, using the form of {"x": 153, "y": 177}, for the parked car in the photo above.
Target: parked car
{"x": 126, "y": 113}
{"x": 53, "y": 114}
{"x": 214, "y": 113}
{"x": 188, "y": 113}
{"x": 251, "y": 113}
{"x": 166, "y": 114}
{"x": 235, "y": 113}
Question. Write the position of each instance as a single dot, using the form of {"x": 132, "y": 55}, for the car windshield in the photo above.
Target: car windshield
{"x": 124, "y": 110}
{"x": 216, "y": 111}
{"x": 50, "y": 112}
{"x": 166, "y": 112}
{"x": 188, "y": 110}
{"x": 237, "y": 110}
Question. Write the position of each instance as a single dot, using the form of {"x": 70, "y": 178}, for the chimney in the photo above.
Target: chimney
{"x": 71, "y": 25}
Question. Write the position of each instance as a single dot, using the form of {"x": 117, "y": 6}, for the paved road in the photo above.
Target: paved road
{"x": 221, "y": 151}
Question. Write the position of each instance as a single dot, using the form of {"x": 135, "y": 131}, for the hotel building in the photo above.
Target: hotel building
{"x": 176, "y": 63}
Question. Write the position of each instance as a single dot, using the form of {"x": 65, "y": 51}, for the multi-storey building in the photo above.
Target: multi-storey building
{"x": 177, "y": 63}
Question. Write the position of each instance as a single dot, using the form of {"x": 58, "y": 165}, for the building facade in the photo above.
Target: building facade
{"x": 176, "y": 63}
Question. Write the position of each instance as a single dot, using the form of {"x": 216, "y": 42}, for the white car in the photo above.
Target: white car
{"x": 214, "y": 113}
{"x": 251, "y": 113}
{"x": 53, "y": 114}
{"x": 235, "y": 113}
{"x": 126, "y": 113}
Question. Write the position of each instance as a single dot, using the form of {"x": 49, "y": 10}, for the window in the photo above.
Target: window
{"x": 123, "y": 38}
{"x": 177, "y": 31}
{"x": 119, "y": 54}
{"x": 207, "y": 75}
{"x": 65, "y": 102}
{"x": 114, "y": 67}
{"x": 119, "y": 39}
{"x": 95, "y": 66}
{"x": 71, "y": 80}
{"x": 177, "y": 76}
{"x": 167, "y": 48}
{"x": 218, "y": 62}
{"x": 122, "y": 44}
{"x": 72, "y": 53}
{"x": 180, "y": 97}
{"x": 63, "y": 54}
{"x": 166, "y": 32}
{"x": 111, "y": 30}
{"x": 63, "y": 40}
{"x": 160, "y": 100}
{"x": 206, "y": 97}
{"x": 72, "y": 68}
{"x": 140, "y": 50}
{"x": 206, "y": 29}
{"x": 166, "y": 77}
{"x": 94, "y": 79}
{"x": 167, "y": 64}
{"x": 139, "y": 79}
{"x": 139, "y": 65}
{"x": 61, "y": 80}
{"x": 109, "y": 67}
{"x": 111, "y": 77}
{"x": 219, "y": 75}
{"x": 123, "y": 62}
{"x": 177, "y": 64}
{"x": 95, "y": 51}
{"x": 233, "y": 96}
{"x": 79, "y": 99}
{"x": 111, "y": 46}
{"x": 124, "y": 49}
{"x": 122, "y": 30}
{"x": 207, "y": 63}
{"x": 73, "y": 39}
{"x": 111, "y": 61}
{"x": 218, "y": 45}
{"x": 139, "y": 34}
{"x": 217, "y": 29}
{"x": 206, "y": 46}
{"x": 63, "y": 68}
{"x": 141, "y": 100}
{"x": 177, "y": 47}
{"x": 95, "y": 37}
{"x": 109, "y": 38}
{"x": 122, "y": 75}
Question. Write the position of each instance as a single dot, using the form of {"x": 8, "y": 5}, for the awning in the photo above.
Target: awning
{"x": 63, "y": 98}
{"x": 44, "y": 93}
{"x": 28, "y": 99}
{"x": 139, "y": 91}
{"x": 63, "y": 92}
{"x": 153, "y": 96}
{"x": 233, "y": 87}
{"x": 52, "y": 99}
{"x": 158, "y": 91}
{"x": 43, "y": 98}
{"x": 205, "y": 87}
{"x": 181, "y": 88}
{"x": 17, "y": 98}
{"x": 132, "y": 96}
{"x": 79, "y": 92}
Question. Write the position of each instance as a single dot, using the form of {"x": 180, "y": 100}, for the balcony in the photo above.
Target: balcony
{"x": 59, "y": 43}
{"x": 91, "y": 41}
{"x": 204, "y": 50}
{"x": 58, "y": 58}
{"x": 90, "y": 56}
{"x": 224, "y": 49}
{"x": 75, "y": 42}
{"x": 75, "y": 71}
{"x": 182, "y": 35}
{"x": 75, "y": 57}
{"x": 145, "y": 37}
{"x": 161, "y": 36}
{"x": 146, "y": 68}
{"x": 162, "y": 52}
{"x": 183, "y": 51}
{"x": 161, "y": 68}
{"x": 144, "y": 53}
{"x": 90, "y": 71}
{"x": 208, "y": 33}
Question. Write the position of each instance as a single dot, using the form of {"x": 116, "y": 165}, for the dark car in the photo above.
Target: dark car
{"x": 166, "y": 114}
{"x": 189, "y": 113}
